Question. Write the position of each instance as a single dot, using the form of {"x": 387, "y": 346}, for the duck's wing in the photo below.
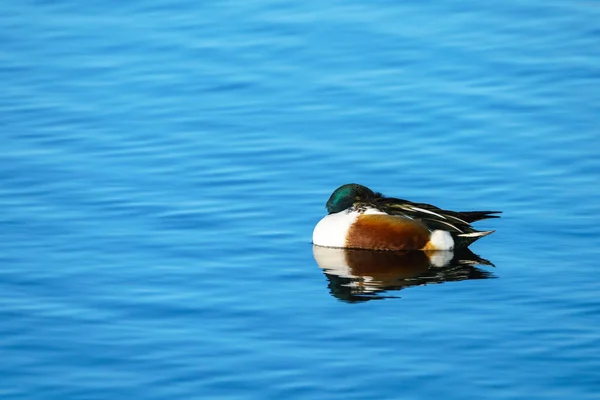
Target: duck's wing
{"x": 434, "y": 217}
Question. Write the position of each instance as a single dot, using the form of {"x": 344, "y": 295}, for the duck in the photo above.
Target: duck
{"x": 359, "y": 218}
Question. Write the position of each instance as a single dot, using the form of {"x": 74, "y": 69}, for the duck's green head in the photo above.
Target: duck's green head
{"x": 344, "y": 196}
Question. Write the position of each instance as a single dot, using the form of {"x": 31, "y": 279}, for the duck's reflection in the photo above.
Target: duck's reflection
{"x": 360, "y": 275}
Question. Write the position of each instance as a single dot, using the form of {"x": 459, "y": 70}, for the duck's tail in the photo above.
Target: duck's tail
{"x": 463, "y": 240}
{"x": 472, "y": 216}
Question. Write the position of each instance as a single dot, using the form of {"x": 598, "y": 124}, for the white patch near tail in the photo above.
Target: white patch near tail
{"x": 441, "y": 240}
{"x": 332, "y": 230}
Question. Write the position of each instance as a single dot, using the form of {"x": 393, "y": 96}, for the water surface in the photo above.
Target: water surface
{"x": 163, "y": 167}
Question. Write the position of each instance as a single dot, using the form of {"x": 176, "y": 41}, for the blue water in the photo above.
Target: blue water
{"x": 163, "y": 166}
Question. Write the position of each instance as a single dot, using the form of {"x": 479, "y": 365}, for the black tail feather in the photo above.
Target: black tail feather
{"x": 465, "y": 239}
{"x": 472, "y": 216}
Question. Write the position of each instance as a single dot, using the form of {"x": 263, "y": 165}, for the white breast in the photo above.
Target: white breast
{"x": 331, "y": 231}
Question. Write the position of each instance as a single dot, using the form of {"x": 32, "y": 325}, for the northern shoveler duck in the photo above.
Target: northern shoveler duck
{"x": 362, "y": 219}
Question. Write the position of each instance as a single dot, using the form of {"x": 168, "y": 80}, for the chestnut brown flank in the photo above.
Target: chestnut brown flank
{"x": 387, "y": 232}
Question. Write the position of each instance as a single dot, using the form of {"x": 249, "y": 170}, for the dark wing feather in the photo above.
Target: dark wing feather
{"x": 432, "y": 216}
{"x": 472, "y": 216}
